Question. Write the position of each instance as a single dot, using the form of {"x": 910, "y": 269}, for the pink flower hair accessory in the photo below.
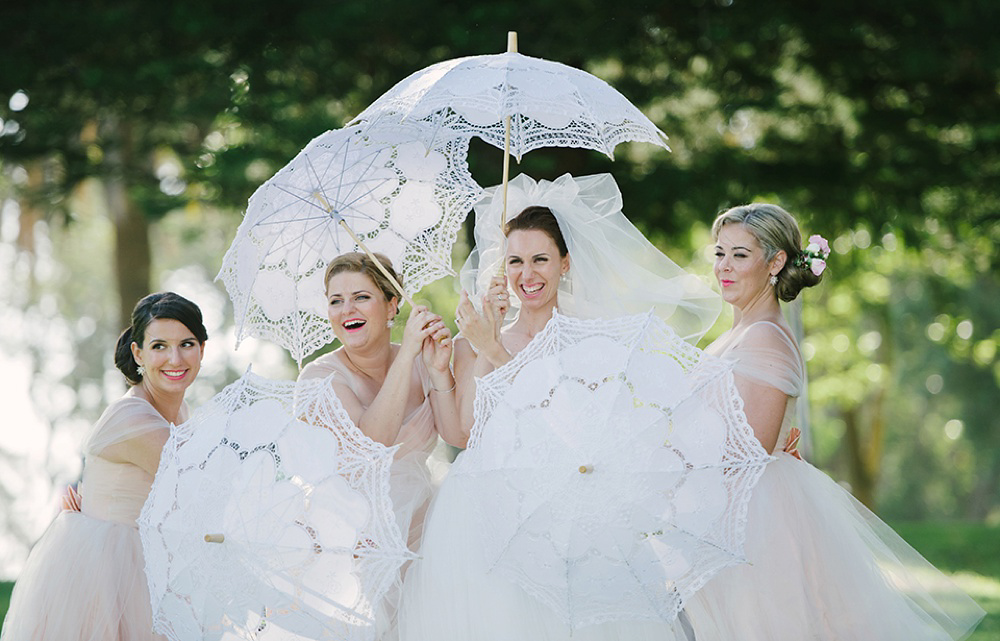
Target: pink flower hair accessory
{"x": 814, "y": 256}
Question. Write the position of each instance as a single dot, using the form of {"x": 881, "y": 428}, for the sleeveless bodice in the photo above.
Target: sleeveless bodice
{"x": 114, "y": 491}
{"x": 763, "y": 352}
{"x": 418, "y": 432}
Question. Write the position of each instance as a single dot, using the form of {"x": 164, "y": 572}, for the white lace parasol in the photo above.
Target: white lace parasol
{"x": 549, "y": 104}
{"x": 270, "y": 519}
{"x": 398, "y": 197}
{"x": 618, "y": 466}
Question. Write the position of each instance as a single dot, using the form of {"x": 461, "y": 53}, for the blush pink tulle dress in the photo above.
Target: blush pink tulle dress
{"x": 822, "y": 567}
{"x": 411, "y": 483}
{"x": 85, "y": 578}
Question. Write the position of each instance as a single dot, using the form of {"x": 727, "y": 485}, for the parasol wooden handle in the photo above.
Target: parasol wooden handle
{"x": 360, "y": 243}
{"x": 511, "y": 48}
{"x": 215, "y": 538}
{"x": 385, "y": 272}
{"x": 586, "y": 469}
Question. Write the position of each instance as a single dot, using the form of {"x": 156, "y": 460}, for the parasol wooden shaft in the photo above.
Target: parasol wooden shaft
{"x": 215, "y": 538}
{"x": 511, "y": 48}
{"x": 360, "y": 243}
{"x": 385, "y": 272}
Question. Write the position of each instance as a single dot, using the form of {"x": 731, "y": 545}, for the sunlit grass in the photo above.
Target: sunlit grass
{"x": 970, "y": 555}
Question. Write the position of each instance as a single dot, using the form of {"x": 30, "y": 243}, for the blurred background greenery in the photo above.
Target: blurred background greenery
{"x": 132, "y": 134}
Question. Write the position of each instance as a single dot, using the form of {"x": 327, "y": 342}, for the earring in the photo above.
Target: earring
{"x": 389, "y": 323}
{"x": 773, "y": 280}
{"x": 141, "y": 371}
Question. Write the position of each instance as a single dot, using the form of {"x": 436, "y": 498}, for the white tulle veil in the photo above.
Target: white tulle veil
{"x": 614, "y": 270}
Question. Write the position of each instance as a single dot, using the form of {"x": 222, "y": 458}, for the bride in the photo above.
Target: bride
{"x": 570, "y": 246}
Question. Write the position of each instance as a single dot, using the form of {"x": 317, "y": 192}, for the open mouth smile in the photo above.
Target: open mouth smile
{"x": 532, "y": 290}
{"x": 354, "y": 324}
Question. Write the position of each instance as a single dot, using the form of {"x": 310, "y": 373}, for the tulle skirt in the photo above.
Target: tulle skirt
{"x": 448, "y": 594}
{"x": 823, "y": 567}
{"x": 84, "y": 581}
{"x": 410, "y": 487}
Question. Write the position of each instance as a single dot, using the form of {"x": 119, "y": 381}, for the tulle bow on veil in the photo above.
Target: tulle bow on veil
{"x": 614, "y": 269}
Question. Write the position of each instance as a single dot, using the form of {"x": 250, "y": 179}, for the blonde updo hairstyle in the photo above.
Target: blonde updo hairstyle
{"x": 361, "y": 263}
{"x": 776, "y": 230}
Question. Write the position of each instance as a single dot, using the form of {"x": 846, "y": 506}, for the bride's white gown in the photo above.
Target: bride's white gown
{"x": 822, "y": 566}
{"x": 454, "y": 592}
{"x": 449, "y": 595}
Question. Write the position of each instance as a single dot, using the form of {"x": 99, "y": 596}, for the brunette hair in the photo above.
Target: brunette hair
{"x": 542, "y": 219}
{"x": 776, "y": 230}
{"x": 163, "y": 305}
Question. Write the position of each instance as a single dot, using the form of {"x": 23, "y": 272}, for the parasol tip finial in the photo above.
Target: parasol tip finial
{"x": 586, "y": 469}
{"x": 215, "y": 538}
{"x": 511, "y": 42}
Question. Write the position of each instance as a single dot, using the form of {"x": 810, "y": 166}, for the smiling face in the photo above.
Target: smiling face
{"x": 357, "y": 309}
{"x": 741, "y": 266}
{"x": 170, "y": 355}
{"x": 534, "y": 267}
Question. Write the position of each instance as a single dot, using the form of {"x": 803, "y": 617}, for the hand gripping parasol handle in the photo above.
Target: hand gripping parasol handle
{"x": 215, "y": 538}
{"x": 511, "y": 48}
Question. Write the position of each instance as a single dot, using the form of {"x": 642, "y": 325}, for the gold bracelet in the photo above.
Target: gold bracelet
{"x": 444, "y": 391}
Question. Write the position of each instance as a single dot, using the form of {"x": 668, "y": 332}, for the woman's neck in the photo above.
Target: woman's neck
{"x": 373, "y": 361}
{"x": 764, "y": 306}
{"x": 532, "y": 321}
{"x": 168, "y": 405}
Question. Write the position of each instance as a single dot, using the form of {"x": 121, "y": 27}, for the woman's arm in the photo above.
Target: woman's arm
{"x": 142, "y": 451}
{"x": 437, "y": 352}
{"x": 480, "y": 350}
{"x": 383, "y": 418}
{"x": 465, "y": 385}
{"x": 764, "y": 407}
{"x": 768, "y": 370}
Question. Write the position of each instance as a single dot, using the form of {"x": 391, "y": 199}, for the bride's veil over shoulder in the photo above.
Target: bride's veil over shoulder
{"x": 614, "y": 270}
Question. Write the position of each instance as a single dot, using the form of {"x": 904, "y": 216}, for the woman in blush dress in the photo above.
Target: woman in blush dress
{"x": 396, "y": 394}
{"x": 822, "y": 566}
{"x": 84, "y": 579}
{"x": 559, "y": 250}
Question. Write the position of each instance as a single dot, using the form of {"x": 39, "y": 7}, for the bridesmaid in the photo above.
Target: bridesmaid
{"x": 397, "y": 394}
{"x": 84, "y": 579}
{"x": 822, "y": 566}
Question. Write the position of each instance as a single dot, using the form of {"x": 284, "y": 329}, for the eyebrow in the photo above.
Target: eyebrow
{"x": 736, "y": 247}
{"x": 152, "y": 340}
{"x": 360, "y": 291}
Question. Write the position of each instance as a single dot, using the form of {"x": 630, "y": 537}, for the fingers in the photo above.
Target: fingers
{"x": 490, "y": 312}
{"x": 441, "y": 334}
{"x": 465, "y": 306}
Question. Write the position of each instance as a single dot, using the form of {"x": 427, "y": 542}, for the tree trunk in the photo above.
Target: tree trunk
{"x": 861, "y": 478}
{"x": 985, "y": 491}
{"x": 132, "y": 247}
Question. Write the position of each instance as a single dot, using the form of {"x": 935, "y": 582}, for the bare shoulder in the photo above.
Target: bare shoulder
{"x": 769, "y": 334}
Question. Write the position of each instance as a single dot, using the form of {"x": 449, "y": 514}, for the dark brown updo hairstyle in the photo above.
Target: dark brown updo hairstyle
{"x": 163, "y": 305}
{"x": 361, "y": 263}
{"x": 542, "y": 219}
{"x": 776, "y": 230}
